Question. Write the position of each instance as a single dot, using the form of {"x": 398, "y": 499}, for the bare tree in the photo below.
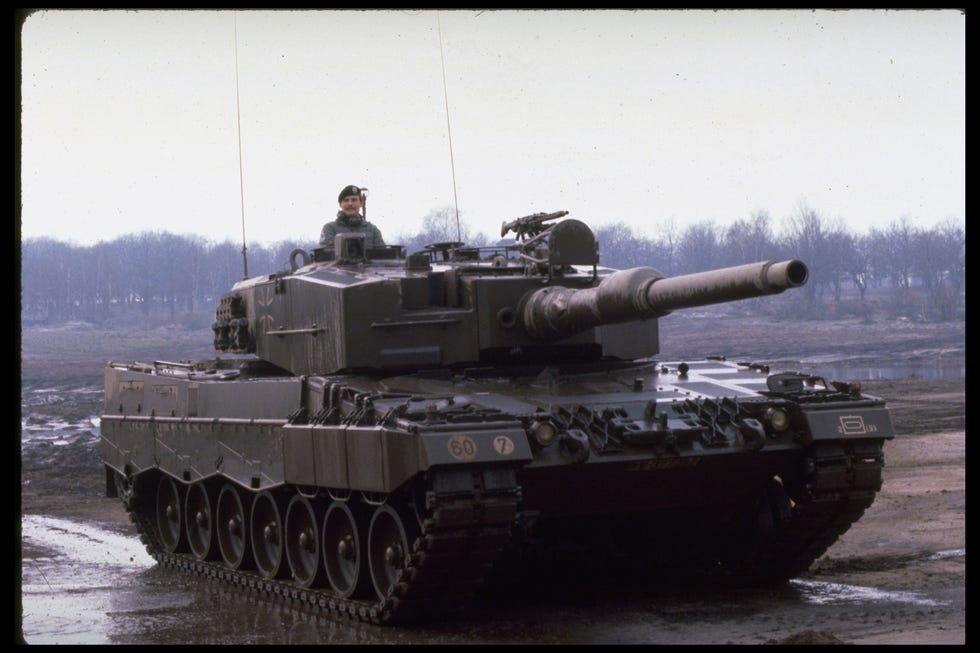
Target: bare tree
{"x": 441, "y": 226}
{"x": 748, "y": 240}
{"x": 667, "y": 246}
{"x": 839, "y": 246}
{"x": 698, "y": 249}
{"x": 438, "y": 226}
{"x": 224, "y": 269}
{"x": 619, "y": 247}
{"x": 937, "y": 262}
{"x": 900, "y": 243}
{"x": 806, "y": 240}
{"x": 879, "y": 270}
{"x": 954, "y": 252}
{"x": 856, "y": 265}
{"x": 44, "y": 280}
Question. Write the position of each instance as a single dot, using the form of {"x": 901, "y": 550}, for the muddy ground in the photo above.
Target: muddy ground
{"x": 912, "y": 539}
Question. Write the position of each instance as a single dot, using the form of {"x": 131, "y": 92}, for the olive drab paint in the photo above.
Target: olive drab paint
{"x": 378, "y": 432}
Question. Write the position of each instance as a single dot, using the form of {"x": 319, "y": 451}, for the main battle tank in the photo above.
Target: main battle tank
{"x": 381, "y": 434}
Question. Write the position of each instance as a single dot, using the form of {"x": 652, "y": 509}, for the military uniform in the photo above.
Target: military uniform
{"x": 344, "y": 225}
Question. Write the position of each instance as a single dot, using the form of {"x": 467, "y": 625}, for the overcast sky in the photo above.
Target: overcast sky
{"x": 130, "y": 119}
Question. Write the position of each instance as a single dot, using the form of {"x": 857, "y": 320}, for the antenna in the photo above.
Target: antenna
{"x": 445, "y": 95}
{"x": 241, "y": 182}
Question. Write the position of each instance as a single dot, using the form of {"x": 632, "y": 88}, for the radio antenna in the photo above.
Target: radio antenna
{"x": 445, "y": 95}
{"x": 241, "y": 182}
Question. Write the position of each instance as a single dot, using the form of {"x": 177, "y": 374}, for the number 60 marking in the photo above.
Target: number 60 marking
{"x": 461, "y": 447}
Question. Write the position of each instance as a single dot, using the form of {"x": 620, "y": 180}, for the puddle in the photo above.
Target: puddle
{"x": 83, "y": 584}
{"x": 854, "y": 370}
{"x": 84, "y": 543}
{"x": 35, "y": 426}
{"x": 73, "y": 577}
{"x": 892, "y": 373}
{"x": 821, "y": 593}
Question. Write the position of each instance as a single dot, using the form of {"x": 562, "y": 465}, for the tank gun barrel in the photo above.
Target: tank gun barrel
{"x": 640, "y": 293}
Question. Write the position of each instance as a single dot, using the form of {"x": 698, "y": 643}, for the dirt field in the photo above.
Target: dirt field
{"x": 905, "y": 542}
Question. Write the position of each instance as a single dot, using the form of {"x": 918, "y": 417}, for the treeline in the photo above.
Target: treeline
{"x": 898, "y": 271}
{"x": 902, "y": 270}
{"x": 178, "y": 278}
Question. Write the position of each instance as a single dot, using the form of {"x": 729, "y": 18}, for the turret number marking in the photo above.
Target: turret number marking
{"x": 462, "y": 447}
{"x": 503, "y": 445}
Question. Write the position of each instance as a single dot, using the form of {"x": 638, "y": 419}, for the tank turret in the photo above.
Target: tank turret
{"x": 542, "y": 298}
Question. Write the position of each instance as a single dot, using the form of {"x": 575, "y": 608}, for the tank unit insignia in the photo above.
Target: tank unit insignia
{"x": 853, "y": 425}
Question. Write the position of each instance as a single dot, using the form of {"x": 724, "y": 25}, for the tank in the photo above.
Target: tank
{"x": 379, "y": 435}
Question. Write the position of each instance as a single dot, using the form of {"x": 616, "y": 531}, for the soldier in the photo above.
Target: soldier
{"x": 350, "y": 220}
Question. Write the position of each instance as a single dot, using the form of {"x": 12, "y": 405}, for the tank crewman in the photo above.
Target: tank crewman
{"x": 350, "y": 220}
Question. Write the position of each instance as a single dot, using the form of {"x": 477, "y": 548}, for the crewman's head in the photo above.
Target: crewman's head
{"x": 350, "y": 201}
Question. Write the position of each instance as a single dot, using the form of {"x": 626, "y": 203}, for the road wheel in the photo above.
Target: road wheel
{"x": 199, "y": 519}
{"x": 303, "y": 542}
{"x": 267, "y": 533}
{"x": 344, "y": 556}
{"x": 232, "y": 528}
{"x": 388, "y": 548}
{"x": 169, "y": 515}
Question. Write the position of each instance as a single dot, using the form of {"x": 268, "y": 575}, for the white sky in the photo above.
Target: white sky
{"x": 651, "y": 117}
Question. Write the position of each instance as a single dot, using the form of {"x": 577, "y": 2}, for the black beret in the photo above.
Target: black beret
{"x": 348, "y": 191}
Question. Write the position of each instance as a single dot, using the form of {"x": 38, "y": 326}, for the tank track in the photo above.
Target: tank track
{"x": 461, "y": 536}
{"x": 841, "y": 481}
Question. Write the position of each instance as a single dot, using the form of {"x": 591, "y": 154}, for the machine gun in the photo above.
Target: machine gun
{"x": 530, "y": 225}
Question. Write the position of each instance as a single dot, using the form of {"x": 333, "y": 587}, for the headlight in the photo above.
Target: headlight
{"x": 543, "y": 432}
{"x": 778, "y": 419}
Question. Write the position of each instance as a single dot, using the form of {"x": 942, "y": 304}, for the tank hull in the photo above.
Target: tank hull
{"x": 665, "y": 460}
